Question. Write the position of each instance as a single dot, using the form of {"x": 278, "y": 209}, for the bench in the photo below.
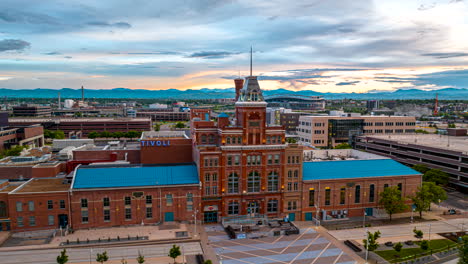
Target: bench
{"x": 353, "y": 246}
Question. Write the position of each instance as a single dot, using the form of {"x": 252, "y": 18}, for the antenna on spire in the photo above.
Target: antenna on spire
{"x": 251, "y": 60}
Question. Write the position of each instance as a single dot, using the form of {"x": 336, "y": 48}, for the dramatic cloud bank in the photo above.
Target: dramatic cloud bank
{"x": 326, "y": 46}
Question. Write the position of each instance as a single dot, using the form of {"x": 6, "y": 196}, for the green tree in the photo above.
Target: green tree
{"x": 140, "y": 259}
{"x": 179, "y": 125}
{"x": 157, "y": 126}
{"x": 63, "y": 257}
{"x": 463, "y": 250}
{"x": 424, "y": 245}
{"x": 291, "y": 140}
{"x": 422, "y": 199}
{"x": 418, "y": 233}
{"x": 398, "y": 246}
{"x": 105, "y": 134}
{"x": 118, "y": 134}
{"x": 132, "y": 134}
{"x": 207, "y": 262}
{"x": 437, "y": 176}
{"x": 392, "y": 201}
{"x": 174, "y": 252}
{"x": 78, "y": 114}
{"x": 59, "y": 134}
{"x": 438, "y": 193}
{"x": 451, "y": 125}
{"x": 421, "y": 131}
{"x": 421, "y": 168}
{"x": 343, "y": 146}
{"x": 102, "y": 257}
{"x": 371, "y": 242}
{"x": 93, "y": 135}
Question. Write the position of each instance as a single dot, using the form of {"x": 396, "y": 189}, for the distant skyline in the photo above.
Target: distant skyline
{"x": 325, "y": 46}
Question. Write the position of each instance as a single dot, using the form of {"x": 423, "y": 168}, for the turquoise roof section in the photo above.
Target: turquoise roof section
{"x": 349, "y": 169}
{"x": 223, "y": 115}
{"x": 96, "y": 177}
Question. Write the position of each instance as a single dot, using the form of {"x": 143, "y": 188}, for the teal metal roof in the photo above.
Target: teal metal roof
{"x": 346, "y": 169}
{"x": 223, "y": 115}
{"x": 87, "y": 177}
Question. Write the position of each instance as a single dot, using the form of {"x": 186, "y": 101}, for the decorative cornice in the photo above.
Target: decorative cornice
{"x": 254, "y": 147}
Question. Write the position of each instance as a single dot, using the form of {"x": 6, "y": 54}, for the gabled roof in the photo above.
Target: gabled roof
{"x": 88, "y": 177}
{"x": 346, "y": 169}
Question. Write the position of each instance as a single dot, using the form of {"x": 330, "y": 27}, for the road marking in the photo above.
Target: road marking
{"x": 238, "y": 259}
{"x": 339, "y": 256}
{"x": 320, "y": 254}
{"x": 303, "y": 250}
{"x": 255, "y": 255}
{"x": 247, "y": 245}
{"x": 300, "y": 236}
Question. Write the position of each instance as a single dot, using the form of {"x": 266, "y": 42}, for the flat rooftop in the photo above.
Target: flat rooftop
{"x": 44, "y": 185}
{"x": 350, "y": 169}
{"x": 115, "y": 176}
{"x": 459, "y": 144}
{"x": 163, "y": 134}
{"x": 10, "y": 187}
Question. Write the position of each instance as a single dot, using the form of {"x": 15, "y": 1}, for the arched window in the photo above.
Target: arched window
{"x": 273, "y": 181}
{"x": 233, "y": 208}
{"x": 289, "y": 174}
{"x": 3, "y": 209}
{"x": 211, "y": 139}
{"x": 296, "y": 173}
{"x": 203, "y": 139}
{"x": 233, "y": 183}
{"x": 253, "y": 182}
{"x": 239, "y": 140}
{"x": 228, "y": 140}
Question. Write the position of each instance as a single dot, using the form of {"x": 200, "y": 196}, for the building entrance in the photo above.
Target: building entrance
{"x": 253, "y": 207}
{"x": 210, "y": 217}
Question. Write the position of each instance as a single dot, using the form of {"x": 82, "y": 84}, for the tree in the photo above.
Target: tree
{"x": 421, "y": 168}
{"x": 463, "y": 250}
{"x": 438, "y": 193}
{"x": 291, "y": 140}
{"x": 392, "y": 201}
{"x": 422, "y": 199}
{"x": 343, "y": 146}
{"x": 59, "y": 134}
{"x": 437, "y": 176}
{"x": 105, "y": 134}
{"x": 140, "y": 259}
{"x": 174, "y": 252}
{"x": 118, "y": 134}
{"x": 101, "y": 258}
{"x": 93, "y": 134}
{"x": 132, "y": 134}
{"x": 207, "y": 262}
{"x": 452, "y": 125}
{"x": 63, "y": 257}
{"x": 424, "y": 245}
{"x": 418, "y": 233}
{"x": 398, "y": 246}
{"x": 179, "y": 125}
{"x": 371, "y": 242}
{"x": 157, "y": 127}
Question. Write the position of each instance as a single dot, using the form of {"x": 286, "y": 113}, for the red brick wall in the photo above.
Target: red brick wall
{"x": 15, "y": 172}
{"x": 178, "y": 151}
{"x": 33, "y": 131}
{"x": 46, "y": 172}
{"x": 133, "y": 155}
{"x": 138, "y": 206}
{"x": 41, "y": 211}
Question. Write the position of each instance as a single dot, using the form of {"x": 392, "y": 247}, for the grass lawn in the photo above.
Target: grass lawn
{"x": 436, "y": 244}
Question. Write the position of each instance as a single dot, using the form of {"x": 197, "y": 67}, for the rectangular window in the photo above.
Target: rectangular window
{"x": 128, "y": 200}
{"x": 371, "y": 193}
{"x": 149, "y": 199}
{"x": 292, "y": 205}
{"x": 107, "y": 217}
{"x": 31, "y": 206}
{"x": 214, "y": 190}
{"x": 50, "y": 204}
{"x": 385, "y": 186}
{"x": 277, "y": 157}
{"x": 229, "y": 160}
{"x": 51, "y": 220}
{"x": 19, "y": 207}
{"x": 149, "y": 212}
{"x": 289, "y": 186}
{"x": 400, "y": 188}
{"x": 296, "y": 186}
{"x": 311, "y": 197}
{"x": 84, "y": 203}
{"x": 236, "y": 159}
{"x": 259, "y": 160}
{"x": 207, "y": 177}
{"x": 207, "y": 190}
{"x": 20, "y": 221}
{"x": 357, "y": 194}
{"x": 327, "y": 195}
{"x": 214, "y": 177}
{"x": 189, "y": 197}
{"x": 106, "y": 201}
{"x": 272, "y": 206}
{"x": 169, "y": 199}
{"x": 62, "y": 204}
{"x": 342, "y": 195}
{"x": 270, "y": 159}
{"x": 84, "y": 216}
{"x": 32, "y": 221}
{"x": 128, "y": 213}
{"x": 189, "y": 207}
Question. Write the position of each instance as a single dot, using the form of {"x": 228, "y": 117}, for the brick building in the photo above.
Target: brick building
{"x": 32, "y": 110}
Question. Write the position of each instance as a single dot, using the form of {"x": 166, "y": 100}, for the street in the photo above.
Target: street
{"x": 48, "y": 256}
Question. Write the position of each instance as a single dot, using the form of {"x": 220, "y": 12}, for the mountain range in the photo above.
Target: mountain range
{"x": 123, "y": 93}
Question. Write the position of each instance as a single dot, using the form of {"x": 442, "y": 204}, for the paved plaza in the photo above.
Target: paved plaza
{"x": 308, "y": 247}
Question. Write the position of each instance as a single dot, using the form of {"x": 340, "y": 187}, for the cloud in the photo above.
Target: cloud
{"x": 13, "y": 44}
{"x": 445, "y": 55}
{"x": 212, "y": 54}
{"x": 67, "y": 57}
{"x": 123, "y": 25}
{"x": 52, "y": 53}
{"x": 347, "y": 83}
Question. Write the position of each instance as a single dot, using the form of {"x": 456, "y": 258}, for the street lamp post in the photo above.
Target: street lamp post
{"x": 90, "y": 254}
{"x": 429, "y": 232}
{"x": 412, "y": 212}
{"x": 364, "y": 219}
{"x": 195, "y": 217}
{"x": 367, "y": 244}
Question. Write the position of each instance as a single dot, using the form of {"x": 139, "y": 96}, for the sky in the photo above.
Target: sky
{"x": 325, "y": 46}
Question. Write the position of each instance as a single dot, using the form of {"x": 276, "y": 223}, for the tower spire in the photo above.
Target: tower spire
{"x": 251, "y": 60}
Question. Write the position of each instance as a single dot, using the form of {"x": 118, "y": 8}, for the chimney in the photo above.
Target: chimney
{"x": 82, "y": 94}
{"x": 239, "y": 83}
{"x": 59, "y": 100}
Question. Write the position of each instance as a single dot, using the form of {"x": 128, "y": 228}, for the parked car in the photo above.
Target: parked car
{"x": 409, "y": 242}
{"x": 389, "y": 244}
